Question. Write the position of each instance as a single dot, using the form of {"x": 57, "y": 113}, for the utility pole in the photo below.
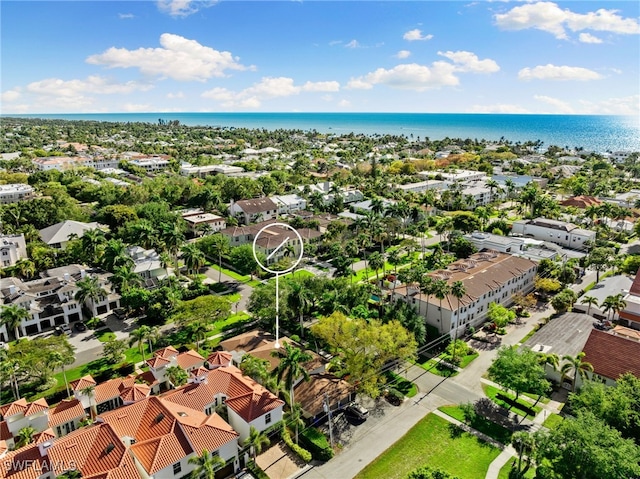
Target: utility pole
{"x": 327, "y": 409}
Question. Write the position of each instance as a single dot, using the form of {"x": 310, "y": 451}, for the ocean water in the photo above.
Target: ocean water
{"x": 597, "y": 133}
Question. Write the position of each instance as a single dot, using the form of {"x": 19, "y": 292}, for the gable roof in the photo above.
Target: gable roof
{"x": 83, "y": 382}
{"x": 65, "y": 411}
{"x": 611, "y": 355}
{"x": 159, "y": 452}
{"x": 189, "y": 359}
{"x": 254, "y": 404}
{"x": 60, "y": 232}
{"x": 24, "y": 463}
{"x": 257, "y": 205}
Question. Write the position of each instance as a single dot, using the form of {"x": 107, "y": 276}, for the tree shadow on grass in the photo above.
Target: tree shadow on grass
{"x": 455, "y": 431}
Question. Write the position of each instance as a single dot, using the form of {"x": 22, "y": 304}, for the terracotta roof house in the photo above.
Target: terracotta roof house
{"x": 66, "y": 416}
{"x": 20, "y": 414}
{"x": 110, "y": 394}
{"x": 581, "y": 201}
{"x": 254, "y": 211}
{"x": 167, "y": 357}
{"x": 611, "y": 356}
{"x": 247, "y": 402}
{"x": 25, "y": 463}
{"x": 219, "y": 358}
{"x": 488, "y": 277}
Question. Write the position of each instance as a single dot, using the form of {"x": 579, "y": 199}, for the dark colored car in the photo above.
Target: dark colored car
{"x": 120, "y": 313}
{"x": 80, "y": 326}
{"x": 357, "y": 411}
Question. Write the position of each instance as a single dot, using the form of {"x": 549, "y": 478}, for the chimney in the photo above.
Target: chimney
{"x": 66, "y": 277}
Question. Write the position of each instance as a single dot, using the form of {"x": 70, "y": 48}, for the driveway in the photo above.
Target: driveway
{"x": 215, "y": 276}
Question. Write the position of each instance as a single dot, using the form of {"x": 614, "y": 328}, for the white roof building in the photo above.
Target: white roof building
{"x": 15, "y": 192}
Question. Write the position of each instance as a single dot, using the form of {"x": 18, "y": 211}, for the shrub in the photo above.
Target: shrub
{"x": 394, "y": 396}
{"x": 316, "y": 443}
{"x": 302, "y": 453}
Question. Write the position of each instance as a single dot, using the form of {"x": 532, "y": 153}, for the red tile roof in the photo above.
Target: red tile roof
{"x": 24, "y": 463}
{"x": 112, "y": 388}
{"x": 157, "y": 453}
{"x": 148, "y": 378}
{"x": 44, "y": 436}
{"x": 167, "y": 352}
{"x": 196, "y": 395}
{"x": 199, "y": 372}
{"x": 189, "y": 359}
{"x": 219, "y": 358}
{"x": 158, "y": 362}
{"x": 254, "y": 405}
{"x": 16, "y": 407}
{"x": 36, "y": 407}
{"x": 4, "y": 431}
{"x": 82, "y": 383}
{"x": 134, "y": 393}
{"x": 65, "y": 411}
{"x": 611, "y": 355}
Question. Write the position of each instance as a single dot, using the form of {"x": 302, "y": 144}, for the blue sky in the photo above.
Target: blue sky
{"x": 321, "y": 56}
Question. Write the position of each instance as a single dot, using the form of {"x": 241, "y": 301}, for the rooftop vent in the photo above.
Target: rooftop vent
{"x": 110, "y": 447}
{"x": 159, "y": 417}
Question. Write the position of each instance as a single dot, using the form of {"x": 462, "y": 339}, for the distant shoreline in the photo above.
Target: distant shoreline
{"x": 599, "y": 133}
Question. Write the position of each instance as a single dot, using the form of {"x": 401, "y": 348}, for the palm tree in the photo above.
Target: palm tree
{"x": 458, "y": 290}
{"x": 427, "y": 287}
{"x": 591, "y": 301}
{"x": 293, "y": 417}
{"x": 575, "y": 365}
{"x": 12, "y": 316}
{"x": 552, "y": 359}
{"x": 198, "y": 330}
{"x": 124, "y": 277}
{"x": 25, "y": 268}
{"x": 90, "y": 392}
{"x": 92, "y": 242}
{"x": 207, "y": 465}
{"x": 256, "y": 368}
{"x": 613, "y": 304}
{"x": 256, "y": 440}
{"x": 299, "y": 299}
{"x": 376, "y": 261}
{"x": 193, "y": 257}
{"x": 218, "y": 245}
{"x": 89, "y": 289}
{"x": 140, "y": 335}
{"x": 58, "y": 359}
{"x": 441, "y": 290}
{"x": 8, "y": 368}
{"x": 176, "y": 376}
{"x": 115, "y": 255}
{"x": 291, "y": 366}
{"x": 25, "y": 436}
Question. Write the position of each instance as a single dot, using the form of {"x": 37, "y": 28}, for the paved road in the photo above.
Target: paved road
{"x": 245, "y": 291}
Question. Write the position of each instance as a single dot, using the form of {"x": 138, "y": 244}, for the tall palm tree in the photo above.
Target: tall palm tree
{"x": 576, "y": 366}
{"x": 207, "y": 464}
{"x": 256, "y": 368}
{"x": 198, "y": 330}
{"x": 591, "y": 301}
{"x": 115, "y": 255}
{"x": 140, "y": 335}
{"x": 8, "y": 367}
{"x": 552, "y": 359}
{"x": 257, "y": 440}
{"x": 60, "y": 360}
{"x": 376, "y": 261}
{"x": 124, "y": 277}
{"x": 427, "y": 287}
{"x": 12, "y": 316}
{"x": 92, "y": 242}
{"x": 89, "y": 289}
{"x": 25, "y": 268}
{"x": 441, "y": 291}
{"x": 291, "y": 366}
{"x": 458, "y": 290}
{"x": 176, "y": 376}
{"x": 613, "y": 304}
{"x": 90, "y": 392}
{"x": 193, "y": 257}
{"x": 293, "y": 417}
{"x": 218, "y": 245}
{"x": 299, "y": 300}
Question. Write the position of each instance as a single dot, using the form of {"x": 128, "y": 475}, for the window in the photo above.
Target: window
{"x": 267, "y": 418}
{"x": 177, "y": 467}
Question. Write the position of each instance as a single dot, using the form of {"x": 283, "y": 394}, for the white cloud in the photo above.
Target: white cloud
{"x": 560, "y": 106}
{"x": 558, "y": 73}
{"x": 94, "y": 84}
{"x": 403, "y": 54}
{"x": 588, "y": 38}
{"x": 174, "y": 96}
{"x": 183, "y": 8}
{"x": 178, "y": 58}
{"x": 413, "y": 76}
{"x": 416, "y": 34}
{"x": 497, "y": 108}
{"x": 267, "y": 88}
{"x": 629, "y": 106}
{"x": 10, "y": 95}
{"x": 344, "y": 103}
{"x": 125, "y": 16}
{"x": 468, "y": 62}
{"x": 549, "y": 17}
{"x": 358, "y": 84}
{"x": 352, "y": 44}
{"x": 321, "y": 86}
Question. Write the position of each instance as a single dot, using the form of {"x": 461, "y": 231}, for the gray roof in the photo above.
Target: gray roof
{"x": 60, "y": 232}
{"x": 564, "y": 335}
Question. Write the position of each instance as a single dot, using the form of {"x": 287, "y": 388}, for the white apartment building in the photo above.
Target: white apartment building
{"x": 456, "y": 175}
{"x": 558, "y": 232}
{"x": 288, "y": 204}
{"x": 254, "y": 211}
{"x": 12, "y": 249}
{"x": 187, "y": 169}
{"x": 50, "y": 300}
{"x": 196, "y": 222}
{"x": 502, "y": 244}
{"x": 422, "y": 186}
{"x": 15, "y": 192}
{"x": 488, "y": 277}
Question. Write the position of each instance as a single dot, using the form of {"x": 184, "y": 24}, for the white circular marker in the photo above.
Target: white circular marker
{"x": 263, "y": 232}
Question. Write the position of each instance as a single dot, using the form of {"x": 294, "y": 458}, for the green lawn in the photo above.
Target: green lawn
{"x": 481, "y": 424}
{"x": 246, "y": 279}
{"x": 467, "y": 359}
{"x": 105, "y": 335}
{"x": 504, "y": 472}
{"x": 436, "y": 367}
{"x": 507, "y": 400}
{"x": 435, "y": 442}
{"x": 553, "y": 421}
{"x": 403, "y": 385}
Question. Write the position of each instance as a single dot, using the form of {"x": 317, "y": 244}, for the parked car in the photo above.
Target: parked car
{"x": 120, "y": 313}
{"x": 80, "y": 326}
{"x": 357, "y": 411}
{"x": 62, "y": 329}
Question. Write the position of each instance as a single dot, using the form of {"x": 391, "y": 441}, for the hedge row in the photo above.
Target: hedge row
{"x": 316, "y": 443}
{"x": 302, "y": 453}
